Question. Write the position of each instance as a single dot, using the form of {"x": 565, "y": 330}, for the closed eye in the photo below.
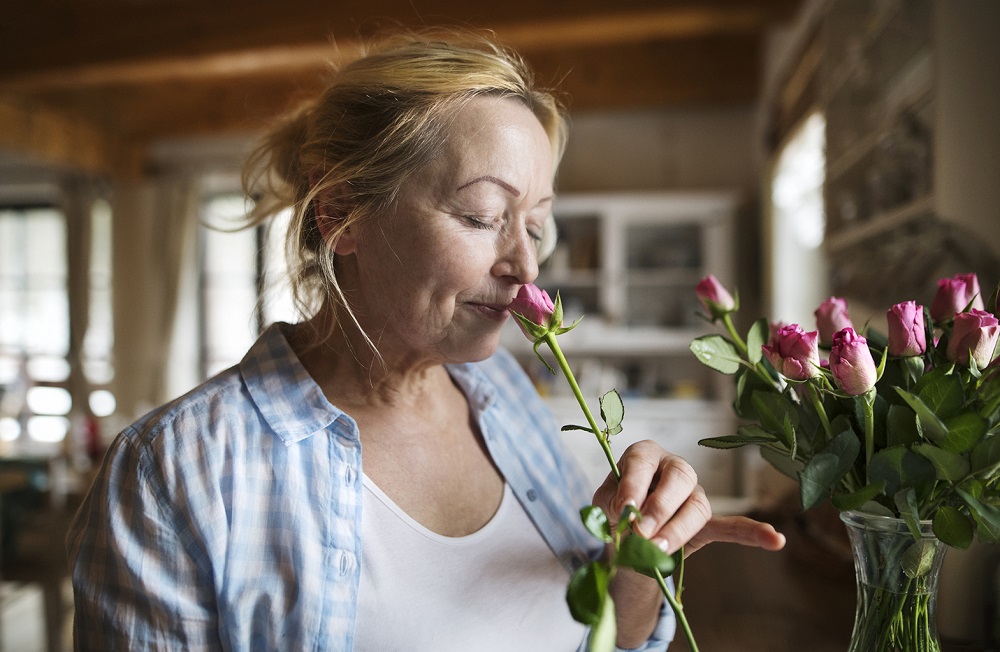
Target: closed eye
{"x": 478, "y": 222}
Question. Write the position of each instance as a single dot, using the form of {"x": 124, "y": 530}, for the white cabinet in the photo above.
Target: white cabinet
{"x": 628, "y": 263}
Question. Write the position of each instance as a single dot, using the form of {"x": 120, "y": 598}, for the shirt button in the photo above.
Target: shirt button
{"x": 349, "y": 475}
{"x": 532, "y": 496}
{"x": 346, "y": 562}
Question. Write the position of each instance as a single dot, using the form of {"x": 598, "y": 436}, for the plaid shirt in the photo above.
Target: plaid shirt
{"x": 230, "y": 519}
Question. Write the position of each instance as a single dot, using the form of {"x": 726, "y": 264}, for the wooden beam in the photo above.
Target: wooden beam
{"x": 73, "y": 43}
{"x": 64, "y": 140}
{"x": 695, "y": 71}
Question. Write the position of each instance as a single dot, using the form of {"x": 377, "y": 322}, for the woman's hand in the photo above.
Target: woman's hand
{"x": 675, "y": 510}
{"x": 675, "y": 513}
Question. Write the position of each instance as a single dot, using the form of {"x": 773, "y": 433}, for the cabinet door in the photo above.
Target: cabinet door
{"x": 662, "y": 264}
{"x": 576, "y": 267}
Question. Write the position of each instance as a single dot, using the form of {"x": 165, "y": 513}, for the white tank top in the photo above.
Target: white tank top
{"x": 500, "y": 588}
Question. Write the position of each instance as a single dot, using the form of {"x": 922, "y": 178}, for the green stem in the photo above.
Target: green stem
{"x": 869, "y": 428}
{"x": 678, "y": 611}
{"x": 550, "y": 340}
{"x": 737, "y": 340}
{"x": 820, "y": 410}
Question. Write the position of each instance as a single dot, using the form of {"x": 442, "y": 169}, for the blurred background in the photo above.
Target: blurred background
{"x": 793, "y": 148}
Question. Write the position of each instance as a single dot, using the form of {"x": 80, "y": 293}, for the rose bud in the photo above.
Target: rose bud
{"x": 907, "y": 337}
{"x": 533, "y": 310}
{"x": 851, "y": 363}
{"x": 832, "y": 316}
{"x": 714, "y": 297}
{"x": 954, "y": 294}
{"x": 793, "y": 352}
{"x": 973, "y": 337}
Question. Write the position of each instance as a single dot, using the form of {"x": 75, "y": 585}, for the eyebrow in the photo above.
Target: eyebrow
{"x": 500, "y": 182}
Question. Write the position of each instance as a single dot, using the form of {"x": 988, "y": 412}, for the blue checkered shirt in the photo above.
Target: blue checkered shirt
{"x": 230, "y": 519}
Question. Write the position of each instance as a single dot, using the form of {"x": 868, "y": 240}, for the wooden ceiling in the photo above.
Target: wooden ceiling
{"x": 92, "y": 83}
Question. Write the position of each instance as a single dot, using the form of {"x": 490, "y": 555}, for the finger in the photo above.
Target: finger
{"x": 737, "y": 529}
{"x": 675, "y": 481}
{"x": 639, "y": 466}
{"x": 685, "y": 524}
{"x": 604, "y": 496}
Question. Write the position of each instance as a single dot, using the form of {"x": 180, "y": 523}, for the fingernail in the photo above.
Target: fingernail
{"x": 661, "y": 543}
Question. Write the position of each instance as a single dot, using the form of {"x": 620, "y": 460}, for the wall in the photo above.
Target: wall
{"x": 661, "y": 149}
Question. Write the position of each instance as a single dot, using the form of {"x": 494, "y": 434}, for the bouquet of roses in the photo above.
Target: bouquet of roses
{"x": 904, "y": 424}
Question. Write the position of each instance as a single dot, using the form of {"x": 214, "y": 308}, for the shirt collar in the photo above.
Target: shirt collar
{"x": 288, "y": 398}
{"x": 478, "y": 389}
{"x": 295, "y": 407}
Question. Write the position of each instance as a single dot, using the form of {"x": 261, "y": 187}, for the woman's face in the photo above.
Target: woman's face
{"x": 433, "y": 277}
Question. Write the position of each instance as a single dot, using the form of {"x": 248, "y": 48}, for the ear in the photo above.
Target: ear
{"x": 334, "y": 234}
{"x": 328, "y": 212}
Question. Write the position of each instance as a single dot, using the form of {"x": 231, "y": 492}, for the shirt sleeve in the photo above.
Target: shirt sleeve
{"x": 664, "y": 633}
{"x": 137, "y": 584}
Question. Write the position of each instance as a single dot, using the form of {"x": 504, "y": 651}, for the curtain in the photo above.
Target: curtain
{"x": 155, "y": 231}
{"x": 77, "y": 196}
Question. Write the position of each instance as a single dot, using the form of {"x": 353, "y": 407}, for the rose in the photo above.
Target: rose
{"x": 832, "y": 316}
{"x": 907, "y": 336}
{"x": 954, "y": 295}
{"x": 540, "y": 319}
{"x": 714, "y": 297}
{"x": 534, "y": 311}
{"x": 974, "y": 337}
{"x": 793, "y": 352}
{"x": 851, "y": 363}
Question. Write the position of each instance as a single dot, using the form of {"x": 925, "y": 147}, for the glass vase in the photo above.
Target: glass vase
{"x": 897, "y": 579}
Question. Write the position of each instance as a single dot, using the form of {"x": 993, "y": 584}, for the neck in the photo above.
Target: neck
{"x": 351, "y": 372}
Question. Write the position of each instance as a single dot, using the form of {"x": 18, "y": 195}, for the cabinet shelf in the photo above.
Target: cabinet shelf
{"x": 569, "y": 278}
{"x": 908, "y": 93}
{"x": 880, "y": 224}
{"x": 878, "y": 81}
{"x": 686, "y": 278}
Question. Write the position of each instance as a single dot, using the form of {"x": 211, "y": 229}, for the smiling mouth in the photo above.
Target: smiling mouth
{"x": 494, "y": 311}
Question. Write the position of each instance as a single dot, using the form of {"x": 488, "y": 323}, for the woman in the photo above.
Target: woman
{"x": 241, "y": 516}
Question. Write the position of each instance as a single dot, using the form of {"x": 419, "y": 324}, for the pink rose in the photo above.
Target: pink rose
{"x": 851, "y": 363}
{"x": 832, "y": 316}
{"x": 954, "y": 294}
{"x": 714, "y": 297}
{"x": 973, "y": 337}
{"x": 533, "y": 305}
{"x": 906, "y": 329}
{"x": 793, "y": 352}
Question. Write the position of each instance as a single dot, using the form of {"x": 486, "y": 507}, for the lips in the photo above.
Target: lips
{"x": 496, "y": 310}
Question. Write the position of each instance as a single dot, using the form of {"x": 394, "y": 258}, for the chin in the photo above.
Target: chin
{"x": 479, "y": 351}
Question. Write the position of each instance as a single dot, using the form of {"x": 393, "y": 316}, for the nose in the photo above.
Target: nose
{"x": 517, "y": 258}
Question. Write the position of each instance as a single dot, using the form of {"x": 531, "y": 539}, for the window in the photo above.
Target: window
{"x": 242, "y": 280}
{"x": 34, "y": 324}
{"x": 798, "y": 268}
{"x": 98, "y": 342}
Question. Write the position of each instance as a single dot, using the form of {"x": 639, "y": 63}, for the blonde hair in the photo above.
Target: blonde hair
{"x": 379, "y": 119}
